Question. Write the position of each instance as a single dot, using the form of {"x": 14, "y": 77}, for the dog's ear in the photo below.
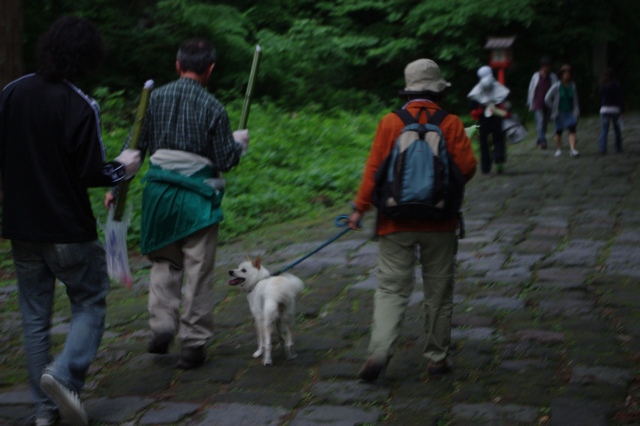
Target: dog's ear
{"x": 257, "y": 262}
{"x": 247, "y": 258}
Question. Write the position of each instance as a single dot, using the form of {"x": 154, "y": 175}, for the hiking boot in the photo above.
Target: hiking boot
{"x": 574, "y": 153}
{"x": 371, "y": 369}
{"x": 191, "y": 358}
{"x": 160, "y": 343}
{"x": 438, "y": 368}
{"x": 68, "y": 402}
{"x": 48, "y": 419}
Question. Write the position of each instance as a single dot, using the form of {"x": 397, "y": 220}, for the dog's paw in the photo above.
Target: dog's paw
{"x": 289, "y": 353}
{"x": 258, "y": 353}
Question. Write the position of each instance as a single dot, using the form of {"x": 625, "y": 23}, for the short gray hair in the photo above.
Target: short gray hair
{"x": 196, "y": 55}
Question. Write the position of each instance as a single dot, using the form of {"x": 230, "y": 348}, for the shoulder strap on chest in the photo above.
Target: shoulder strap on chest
{"x": 407, "y": 118}
{"x": 438, "y": 116}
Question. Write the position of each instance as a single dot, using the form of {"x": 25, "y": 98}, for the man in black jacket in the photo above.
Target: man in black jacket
{"x": 51, "y": 151}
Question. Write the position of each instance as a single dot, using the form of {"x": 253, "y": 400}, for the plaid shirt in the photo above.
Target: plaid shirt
{"x": 183, "y": 116}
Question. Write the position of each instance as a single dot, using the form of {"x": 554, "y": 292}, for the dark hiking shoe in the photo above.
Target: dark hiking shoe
{"x": 191, "y": 358}
{"x": 160, "y": 343}
{"x": 439, "y": 368}
{"x": 371, "y": 369}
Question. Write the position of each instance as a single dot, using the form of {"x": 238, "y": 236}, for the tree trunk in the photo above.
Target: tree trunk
{"x": 10, "y": 41}
{"x": 601, "y": 35}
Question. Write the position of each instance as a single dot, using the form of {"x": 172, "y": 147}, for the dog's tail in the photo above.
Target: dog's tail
{"x": 296, "y": 283}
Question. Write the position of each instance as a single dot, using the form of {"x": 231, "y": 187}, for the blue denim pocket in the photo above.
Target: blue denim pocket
{"x": 71, "y": 255}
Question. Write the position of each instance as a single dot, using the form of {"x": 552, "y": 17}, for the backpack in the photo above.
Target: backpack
{"x": 418, "y": 179}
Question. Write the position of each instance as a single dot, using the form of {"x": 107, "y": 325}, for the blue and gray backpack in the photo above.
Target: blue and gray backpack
{"x": 418, "y": 179}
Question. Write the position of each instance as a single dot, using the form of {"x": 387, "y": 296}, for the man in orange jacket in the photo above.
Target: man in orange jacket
{"x": 436, "y": 239}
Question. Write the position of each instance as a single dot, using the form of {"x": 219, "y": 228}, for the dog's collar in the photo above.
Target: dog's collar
{"x": 254, "y": 286}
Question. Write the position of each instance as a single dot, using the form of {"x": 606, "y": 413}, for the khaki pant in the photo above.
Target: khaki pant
{"x": 191, "y": 260}
{"x": 396, "y": 280}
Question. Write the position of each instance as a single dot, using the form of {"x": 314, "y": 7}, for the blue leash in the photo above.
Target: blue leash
{"x": 340, "y": 222}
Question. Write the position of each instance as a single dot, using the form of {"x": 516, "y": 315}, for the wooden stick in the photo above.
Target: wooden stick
{"x": 244, "y": 117}
{"x": 123, "y": 187}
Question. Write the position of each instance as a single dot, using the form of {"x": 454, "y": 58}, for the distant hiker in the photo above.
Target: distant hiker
{"x": 399, "y": 239}
{"x": 51, "y": 151}
{"x": 487, "y": 106}
{"x": 189, "y": 139}
{"x": 539, "y": 85}
{"x": 562, "y": 98}
{"x": 611, "y": 109}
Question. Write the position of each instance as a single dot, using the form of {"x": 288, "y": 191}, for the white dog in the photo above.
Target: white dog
{"x": 272, "y": 301}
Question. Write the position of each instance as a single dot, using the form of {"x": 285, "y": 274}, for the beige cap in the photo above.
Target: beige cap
{"x": 423, "y": 76}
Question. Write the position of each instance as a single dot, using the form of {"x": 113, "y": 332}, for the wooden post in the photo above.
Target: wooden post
{"x": 10, "y": 41}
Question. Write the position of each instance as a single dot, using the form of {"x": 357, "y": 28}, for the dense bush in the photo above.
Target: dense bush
{"x": 348, "y": 53}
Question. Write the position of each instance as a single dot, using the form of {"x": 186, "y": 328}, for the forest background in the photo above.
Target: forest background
{"x": 329, "y": 71}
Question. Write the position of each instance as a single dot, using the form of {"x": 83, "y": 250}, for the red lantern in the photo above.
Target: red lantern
{"x": 501, "y": 55}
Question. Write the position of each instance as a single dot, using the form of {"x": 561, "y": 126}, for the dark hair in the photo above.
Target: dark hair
{"x": 545, "y": 61}
{"x": 196, "y": 55}
{"x": 607, "y": 76}
{"x": 71, "y": 48}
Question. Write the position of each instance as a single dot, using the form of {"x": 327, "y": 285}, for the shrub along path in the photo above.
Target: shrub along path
{"x": 547, "y": 328}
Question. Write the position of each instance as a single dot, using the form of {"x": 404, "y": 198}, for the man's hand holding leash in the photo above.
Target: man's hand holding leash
{"x": 355, "y": 220}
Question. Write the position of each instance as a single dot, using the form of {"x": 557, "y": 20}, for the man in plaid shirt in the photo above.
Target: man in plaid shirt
{"x": 189, "y": 140}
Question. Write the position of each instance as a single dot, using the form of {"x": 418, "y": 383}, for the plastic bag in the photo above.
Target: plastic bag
{"x": 514, "y": 129}
{"x": 473, "y": 133}
{"x": 115, "y": 245}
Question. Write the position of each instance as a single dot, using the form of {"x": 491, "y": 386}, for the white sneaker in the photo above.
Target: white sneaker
{"x": 68, "y": 402}
{"x": 574, "y": 153}
{"x": 46, "y": 420}
{"x": 558, "y": 153}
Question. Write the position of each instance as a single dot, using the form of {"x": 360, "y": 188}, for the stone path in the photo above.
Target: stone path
{"x": 547, "y": 328}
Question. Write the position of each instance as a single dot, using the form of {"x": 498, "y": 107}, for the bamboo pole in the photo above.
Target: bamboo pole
{"x": 123, "y": 188}
{"x": 246, "y": 106}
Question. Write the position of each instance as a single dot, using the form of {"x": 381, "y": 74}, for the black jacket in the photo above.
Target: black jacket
{"x": 611, "y": 95}
{"x": 51, "y": 151}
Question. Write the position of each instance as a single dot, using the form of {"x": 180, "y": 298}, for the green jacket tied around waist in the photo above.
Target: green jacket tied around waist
{"x": 175, "y": 206}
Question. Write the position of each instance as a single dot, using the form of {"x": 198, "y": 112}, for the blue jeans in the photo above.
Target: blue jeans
{"x": 83, "y": 270}
{"x": 606, "y": 119}
{"x": 542, "y": 122}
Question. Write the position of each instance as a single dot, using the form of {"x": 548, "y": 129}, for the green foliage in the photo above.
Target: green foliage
{"x": 114, "y": 108}
{"x": 324, "y": 52}
{"x": 286, "y": 76}
{"x": 297, "y": 163}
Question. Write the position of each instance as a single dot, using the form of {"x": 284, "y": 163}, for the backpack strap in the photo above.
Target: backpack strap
{"x": 438, "y": 116}
{"x": 407, "y": 118}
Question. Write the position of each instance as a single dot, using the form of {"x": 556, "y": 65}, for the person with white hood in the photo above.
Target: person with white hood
{"x": 488, "y": 108}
